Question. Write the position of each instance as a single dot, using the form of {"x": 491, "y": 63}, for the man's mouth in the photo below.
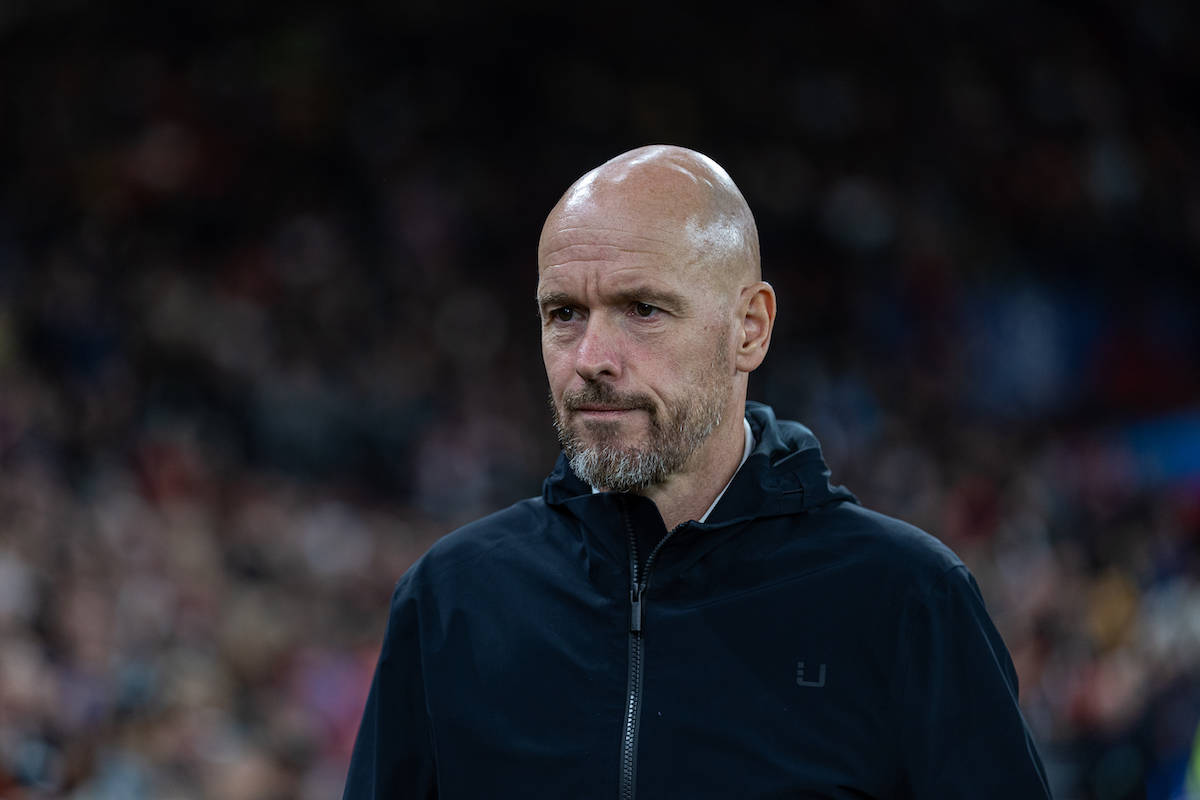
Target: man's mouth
{"x": 603, "y": 411}
{"x": 600, "y": 403}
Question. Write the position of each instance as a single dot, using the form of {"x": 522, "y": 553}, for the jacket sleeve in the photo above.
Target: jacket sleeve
{"x": 960, "y": 730}
{"x": 393, "y": 754}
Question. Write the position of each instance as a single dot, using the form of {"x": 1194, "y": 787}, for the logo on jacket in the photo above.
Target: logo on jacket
{"x": 800, "y": 681}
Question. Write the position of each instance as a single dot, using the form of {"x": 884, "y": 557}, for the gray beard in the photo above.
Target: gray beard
{"x": 609, "y": 465}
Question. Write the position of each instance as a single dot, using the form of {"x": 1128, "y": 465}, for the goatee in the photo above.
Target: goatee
{"x": 607, "y": 462}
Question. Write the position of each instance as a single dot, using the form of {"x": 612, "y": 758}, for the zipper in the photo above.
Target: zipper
{"x": 633, "y": 698}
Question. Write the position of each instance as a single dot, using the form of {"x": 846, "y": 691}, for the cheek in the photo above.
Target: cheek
{"x": 557, "y": 366}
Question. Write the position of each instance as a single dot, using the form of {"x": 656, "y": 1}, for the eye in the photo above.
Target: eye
{"x": 643, "y": 309}
{"x": 563, "y": 314}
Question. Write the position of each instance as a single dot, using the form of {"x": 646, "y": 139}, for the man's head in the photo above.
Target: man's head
{"x": 653, "y": 315}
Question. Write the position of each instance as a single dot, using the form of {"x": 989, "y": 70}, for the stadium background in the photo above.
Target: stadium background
{"x": 267, "y": 330}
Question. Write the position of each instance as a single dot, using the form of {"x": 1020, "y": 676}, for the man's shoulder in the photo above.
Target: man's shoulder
{"x": 510, "y": 532}
{"x": 888, "y": 543}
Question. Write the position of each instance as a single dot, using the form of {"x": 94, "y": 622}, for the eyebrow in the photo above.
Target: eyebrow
{"x": 668, "y": 300}
{"x": 553, "y": 300}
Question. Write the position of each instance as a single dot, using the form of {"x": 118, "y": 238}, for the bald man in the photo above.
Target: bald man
{"x": 690, "y": 609}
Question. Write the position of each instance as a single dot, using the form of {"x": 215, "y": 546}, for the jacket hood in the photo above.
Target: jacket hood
{"x": 785, "y": 474}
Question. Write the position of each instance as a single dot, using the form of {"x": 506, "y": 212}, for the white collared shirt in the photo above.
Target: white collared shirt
{"x": 746, "y": 450}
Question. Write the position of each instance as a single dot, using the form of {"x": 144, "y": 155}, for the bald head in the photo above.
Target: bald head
{"x": 668, "y": 194}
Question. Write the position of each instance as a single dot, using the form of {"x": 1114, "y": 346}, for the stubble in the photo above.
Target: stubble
{"x": 603, "y": 458}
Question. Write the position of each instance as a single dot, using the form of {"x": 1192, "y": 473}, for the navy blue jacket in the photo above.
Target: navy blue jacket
{"x": 796, "y": 645}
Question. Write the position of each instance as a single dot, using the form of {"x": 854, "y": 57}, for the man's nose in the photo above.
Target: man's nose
{"x": 598, "y": 355}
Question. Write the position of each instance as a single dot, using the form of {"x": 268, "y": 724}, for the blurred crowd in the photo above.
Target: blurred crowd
{"x": 267, "y": 330}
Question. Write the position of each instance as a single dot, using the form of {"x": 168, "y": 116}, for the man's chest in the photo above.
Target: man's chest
{"x": 767, "y": 693}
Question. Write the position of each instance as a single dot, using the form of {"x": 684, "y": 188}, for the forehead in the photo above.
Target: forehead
{"x": 577, "y": 239}
{"x": 579, "y": 254}
{"x": 624, "y": 232}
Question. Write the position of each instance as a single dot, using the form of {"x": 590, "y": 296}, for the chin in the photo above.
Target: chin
{"x": 607, "y": 434}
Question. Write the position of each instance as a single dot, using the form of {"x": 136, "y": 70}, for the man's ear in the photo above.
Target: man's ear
{"x": 757, "y": 318}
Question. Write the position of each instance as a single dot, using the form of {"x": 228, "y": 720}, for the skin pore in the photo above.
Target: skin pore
{"x": 653, "y": 315}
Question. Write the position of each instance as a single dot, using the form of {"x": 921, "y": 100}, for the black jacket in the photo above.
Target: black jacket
{"x": 796, "y": 645}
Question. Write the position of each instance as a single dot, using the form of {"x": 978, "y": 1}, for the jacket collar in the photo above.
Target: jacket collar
{"x": 785, "y": 474}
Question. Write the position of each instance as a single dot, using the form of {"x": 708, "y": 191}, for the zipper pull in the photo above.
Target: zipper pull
{"x": 635, "y": 617}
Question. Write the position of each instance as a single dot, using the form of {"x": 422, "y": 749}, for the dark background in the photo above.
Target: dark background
{"x": 267, "y": 329}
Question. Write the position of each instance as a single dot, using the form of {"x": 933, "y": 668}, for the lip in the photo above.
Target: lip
{"x": 603, "y": 411}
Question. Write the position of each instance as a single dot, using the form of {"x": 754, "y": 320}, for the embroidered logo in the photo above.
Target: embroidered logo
{"x": 800, "y": 681}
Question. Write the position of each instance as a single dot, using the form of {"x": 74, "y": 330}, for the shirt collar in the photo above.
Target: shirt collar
{"x": 747, "y": 448}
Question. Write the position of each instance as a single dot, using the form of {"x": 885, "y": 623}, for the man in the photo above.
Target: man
{"x": 690, "y": 609}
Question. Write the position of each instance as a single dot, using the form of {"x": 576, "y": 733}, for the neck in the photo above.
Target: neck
{"x": 687, "y": 494}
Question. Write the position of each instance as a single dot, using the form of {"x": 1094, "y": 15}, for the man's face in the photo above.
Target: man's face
{"x": 636, "y": 338}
